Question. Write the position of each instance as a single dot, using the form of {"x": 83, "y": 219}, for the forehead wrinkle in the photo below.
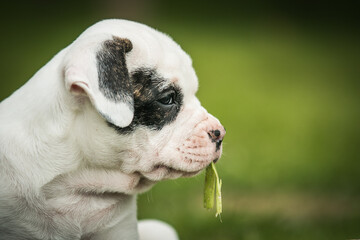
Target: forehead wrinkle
{"x": 145, "y": 79}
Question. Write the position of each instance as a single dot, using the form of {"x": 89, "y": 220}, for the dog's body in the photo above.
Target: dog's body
{"x": 108, "y": 117}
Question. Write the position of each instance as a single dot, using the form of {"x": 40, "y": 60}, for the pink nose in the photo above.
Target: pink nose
{"x": 217, "y": 137}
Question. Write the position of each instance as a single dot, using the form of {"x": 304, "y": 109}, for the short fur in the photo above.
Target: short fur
{"x": 106, "y": 118}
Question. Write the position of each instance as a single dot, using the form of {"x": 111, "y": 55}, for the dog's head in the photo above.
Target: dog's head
{"x": 134, "y": 91}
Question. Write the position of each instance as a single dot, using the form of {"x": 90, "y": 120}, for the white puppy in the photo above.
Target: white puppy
{"x": 108, "y": 117}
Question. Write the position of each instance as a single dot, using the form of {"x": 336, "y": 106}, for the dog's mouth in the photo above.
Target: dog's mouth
{"x": 161, "y": 172}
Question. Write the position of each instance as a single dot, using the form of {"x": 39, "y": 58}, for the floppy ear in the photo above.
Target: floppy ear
{"x": 104, "y": 78}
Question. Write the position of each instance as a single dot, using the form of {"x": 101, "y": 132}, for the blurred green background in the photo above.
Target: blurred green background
{"x": 283, "y": 78}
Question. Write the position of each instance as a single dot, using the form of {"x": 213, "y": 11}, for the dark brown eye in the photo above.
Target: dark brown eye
{"x": 169, "y": 99}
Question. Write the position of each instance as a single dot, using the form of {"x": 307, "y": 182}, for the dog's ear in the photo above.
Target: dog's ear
{"x": 111, "y": 90}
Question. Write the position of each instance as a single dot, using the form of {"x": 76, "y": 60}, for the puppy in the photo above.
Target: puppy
{"x": 107, "y": 118}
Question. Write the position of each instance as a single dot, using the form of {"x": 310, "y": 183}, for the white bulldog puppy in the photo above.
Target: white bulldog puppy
{"x": 107, "y": 118}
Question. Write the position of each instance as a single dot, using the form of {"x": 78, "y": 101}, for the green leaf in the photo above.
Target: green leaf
{"x": 212, "y": 190}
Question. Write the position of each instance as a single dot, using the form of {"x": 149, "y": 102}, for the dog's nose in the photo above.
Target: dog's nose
{"x": 217, "y": 136}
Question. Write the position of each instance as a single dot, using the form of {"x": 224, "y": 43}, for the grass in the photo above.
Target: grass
{"x": 289, "y": 99}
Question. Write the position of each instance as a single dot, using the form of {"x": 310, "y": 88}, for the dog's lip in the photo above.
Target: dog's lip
{"x": 172, "y": 169}
{"x": 182, "y": 173}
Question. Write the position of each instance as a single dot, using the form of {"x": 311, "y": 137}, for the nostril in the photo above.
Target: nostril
{"x": 217, "y": 133}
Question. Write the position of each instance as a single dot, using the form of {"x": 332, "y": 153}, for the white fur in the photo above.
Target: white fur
{"x": 65, "y": 174}
{"x": 163, "y": 230}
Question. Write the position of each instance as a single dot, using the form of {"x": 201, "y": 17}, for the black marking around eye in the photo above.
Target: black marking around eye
{"x": 114, "y": 79}
{"x": 148, "y": 87}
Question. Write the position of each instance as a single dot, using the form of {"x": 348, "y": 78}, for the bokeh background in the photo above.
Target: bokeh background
{"x": 284, "y": 79}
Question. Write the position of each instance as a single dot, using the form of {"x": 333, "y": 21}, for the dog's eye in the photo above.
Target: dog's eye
{"x": 169, "y": 99}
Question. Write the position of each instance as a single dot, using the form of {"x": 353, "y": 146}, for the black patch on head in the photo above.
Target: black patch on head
{"x": 156, "y": 102}
{"x": 114, "y": 80}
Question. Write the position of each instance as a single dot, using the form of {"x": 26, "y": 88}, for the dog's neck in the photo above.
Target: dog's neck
{"x": 41, "y": 113}
{"x": 52, "y": 140}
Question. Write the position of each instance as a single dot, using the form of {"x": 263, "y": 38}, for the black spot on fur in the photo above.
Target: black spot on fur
{"x": 214, "y": 137}
{"x": 114, "y": 80}
{"x": 218, "y": 145}
{"x": 148, "y": 89}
